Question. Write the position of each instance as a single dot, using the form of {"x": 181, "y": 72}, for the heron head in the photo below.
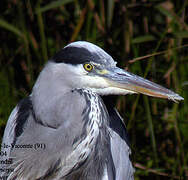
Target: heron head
{"x": 86, "y": 66}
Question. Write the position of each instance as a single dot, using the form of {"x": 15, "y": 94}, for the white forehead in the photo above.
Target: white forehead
{"x": 92, "y": 48}
{"x": 89, "y": 46}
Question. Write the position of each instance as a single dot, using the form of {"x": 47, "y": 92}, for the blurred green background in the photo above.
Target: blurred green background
{"x": 32, "y": 31}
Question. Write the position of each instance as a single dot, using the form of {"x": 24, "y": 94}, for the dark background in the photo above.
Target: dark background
{"x": 32, "y": 31}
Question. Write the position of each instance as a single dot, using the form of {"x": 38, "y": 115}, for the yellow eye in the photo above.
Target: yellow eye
{"x": 88, "y": 67}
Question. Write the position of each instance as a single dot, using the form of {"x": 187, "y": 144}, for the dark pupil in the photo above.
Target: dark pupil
{"x": 88, "y": 66}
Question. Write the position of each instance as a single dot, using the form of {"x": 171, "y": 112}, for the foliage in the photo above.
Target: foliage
{"x": 32, "y": 31}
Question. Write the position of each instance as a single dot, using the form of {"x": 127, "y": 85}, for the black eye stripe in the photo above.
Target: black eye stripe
{"x": 74, "y": 55}
{"x": 79, "y": 55}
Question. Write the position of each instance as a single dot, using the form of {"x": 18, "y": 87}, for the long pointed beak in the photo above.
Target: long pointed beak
{"x": 122, "y": 79}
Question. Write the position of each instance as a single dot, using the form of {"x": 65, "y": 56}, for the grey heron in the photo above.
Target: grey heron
{"x": 65, "y": 129}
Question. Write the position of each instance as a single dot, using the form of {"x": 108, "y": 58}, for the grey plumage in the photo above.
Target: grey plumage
{"x": 83, "y": 136}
